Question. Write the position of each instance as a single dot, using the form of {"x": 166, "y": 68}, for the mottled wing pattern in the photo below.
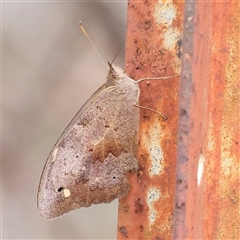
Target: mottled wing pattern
{"x": 88, "y": 164}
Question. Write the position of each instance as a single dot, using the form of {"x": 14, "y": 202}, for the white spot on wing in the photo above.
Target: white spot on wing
{"x": 66, "y": 193}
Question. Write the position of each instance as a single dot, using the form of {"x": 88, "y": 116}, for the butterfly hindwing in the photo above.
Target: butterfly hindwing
{"x": 88, "y": 164}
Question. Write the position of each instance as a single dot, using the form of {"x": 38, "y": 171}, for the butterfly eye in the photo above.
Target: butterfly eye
{"x": 77, "y": 156}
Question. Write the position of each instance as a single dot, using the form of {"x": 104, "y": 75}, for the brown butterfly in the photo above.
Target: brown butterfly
{"x": 89, "y": 162}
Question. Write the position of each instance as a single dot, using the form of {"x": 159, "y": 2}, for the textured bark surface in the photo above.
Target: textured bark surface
{"x": 153, "y": 48}
{"x": 207, "y": 193}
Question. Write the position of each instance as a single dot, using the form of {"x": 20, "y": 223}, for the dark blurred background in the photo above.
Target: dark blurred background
{"x": 49, "y": 69}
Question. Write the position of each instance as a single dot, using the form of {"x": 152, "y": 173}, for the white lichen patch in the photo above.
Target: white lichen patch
{"x": 171, "y": 36}
{"x": 154, "y": 148}
{"x": 152, "y": 196}
{"x": 156, "y": 155}
{"x": 165, "y": 13}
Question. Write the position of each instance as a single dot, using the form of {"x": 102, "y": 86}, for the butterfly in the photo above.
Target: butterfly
{"x": 90, "y": 160}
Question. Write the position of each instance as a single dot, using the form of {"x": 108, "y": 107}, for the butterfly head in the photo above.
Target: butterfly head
{"x": 115, "y": 71}
{"x": 115, "y": 74}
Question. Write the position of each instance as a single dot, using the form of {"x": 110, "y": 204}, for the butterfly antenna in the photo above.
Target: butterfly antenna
{"x": 115, "y": 56}
{"x": 89, "y": 39}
